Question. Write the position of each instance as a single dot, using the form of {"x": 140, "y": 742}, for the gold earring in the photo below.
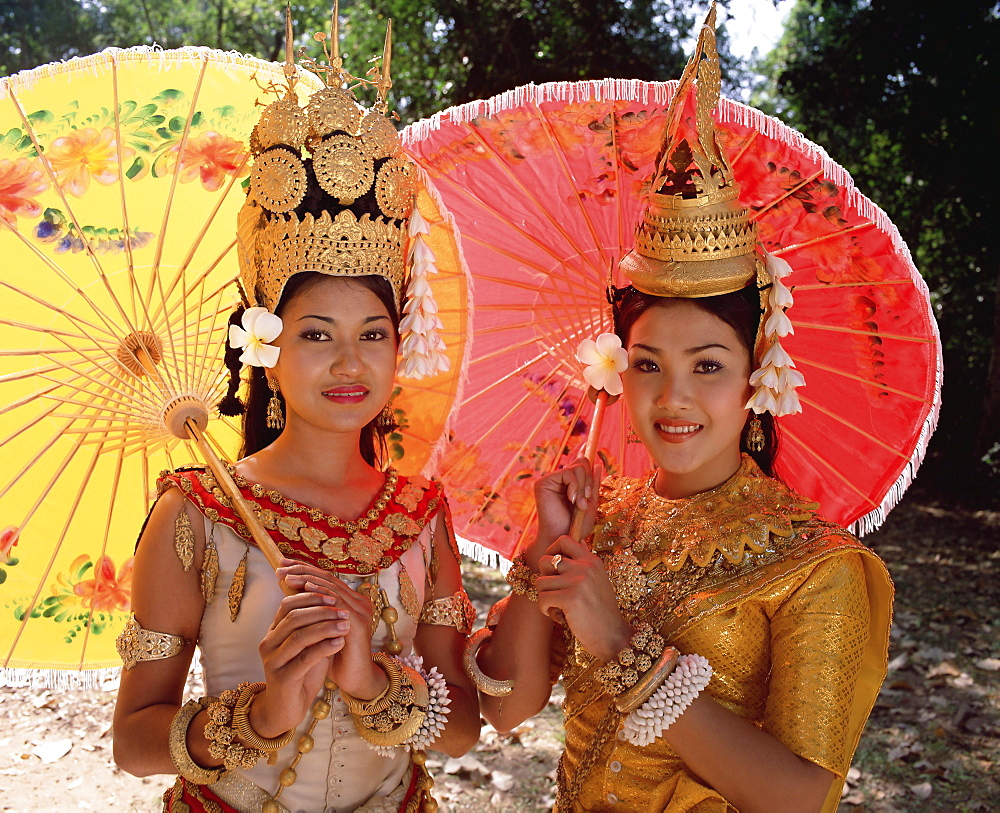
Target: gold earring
{"x": 632, "y": 437}
{"x": 386, "y": 420}
{"x": 755, "y": 436}
{"x": 275, "y": 417}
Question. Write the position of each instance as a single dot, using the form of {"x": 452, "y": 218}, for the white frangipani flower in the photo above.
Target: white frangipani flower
{"x": 260, "y": 326}
{"x": 606, "y": 360}
{"x": 776, "y": 266}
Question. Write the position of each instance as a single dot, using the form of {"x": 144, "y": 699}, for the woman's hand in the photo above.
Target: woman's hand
{"x": 308, "y": 628}
{"x": 558, "y": 494}
{"x": 351, "y": 668}
{"x": 573, "y": 581}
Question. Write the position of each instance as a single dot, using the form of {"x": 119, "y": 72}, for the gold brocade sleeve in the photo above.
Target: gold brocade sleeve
{"x": 819, "y": 635}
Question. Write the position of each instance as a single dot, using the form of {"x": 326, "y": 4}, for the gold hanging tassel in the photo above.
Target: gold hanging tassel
{"x": 236, "y": 588}
{"x": 275, "y": 417}
{"x": 755, "y": 437}
{"x": 210, "y": 569}
{"x": 184, "y": 539}
{"x": 408, "y": 593}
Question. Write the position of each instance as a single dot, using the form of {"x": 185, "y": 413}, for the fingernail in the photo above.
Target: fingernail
{"x": 343, "y": 614}
{"x": 587, "y": 492}
{"x": 331, "y": 600}
{"x": 343, "y": 626}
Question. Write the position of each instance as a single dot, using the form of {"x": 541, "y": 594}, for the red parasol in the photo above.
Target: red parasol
{"x": 546, "y": 184}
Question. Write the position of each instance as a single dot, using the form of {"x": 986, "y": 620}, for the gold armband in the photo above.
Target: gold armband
{"x": 179, "y": 753}
{"x": 136, "y": 644}
{"x": 451, "y": 611}
{"x": 482, "y": 681}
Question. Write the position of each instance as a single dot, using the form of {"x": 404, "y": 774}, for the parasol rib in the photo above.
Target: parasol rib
{"x": 862, "y": 380}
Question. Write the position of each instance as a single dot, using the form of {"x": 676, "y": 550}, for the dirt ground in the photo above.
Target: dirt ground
{"x": 932, "y": 744}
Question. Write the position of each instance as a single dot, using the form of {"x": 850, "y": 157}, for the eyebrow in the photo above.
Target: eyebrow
{"x": 691, "y": 351}
{"x": 331, "y": 321}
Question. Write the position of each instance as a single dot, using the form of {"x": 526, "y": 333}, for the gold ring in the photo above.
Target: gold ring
{"x": 555, "y": 562}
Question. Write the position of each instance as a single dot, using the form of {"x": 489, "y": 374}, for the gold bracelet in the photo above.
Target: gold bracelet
{"x": 245, "y": 730}
{"x": 482, "y": 681}
{"x": 522, "y": 578}
{"x": 402, "y": 719}
{"x": 629, "y": 700}
{"x": 179, "y": 753}
{"x": 390, "y": 695}
{"x": 221, "y": 733}
{"x": 633, "y": 661}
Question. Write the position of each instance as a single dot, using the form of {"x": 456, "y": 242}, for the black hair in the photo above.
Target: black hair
{"x": 741, "y": 311}
{"x": 256, "y": 433}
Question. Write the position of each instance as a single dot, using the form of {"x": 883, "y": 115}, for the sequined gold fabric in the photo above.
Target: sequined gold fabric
{"x": 792, "y": 613}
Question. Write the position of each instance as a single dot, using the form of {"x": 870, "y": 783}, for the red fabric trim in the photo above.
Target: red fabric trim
{"x": 306, "y": 534}
{"x": 196, "y": 805}
{"x": 412, "y": 791}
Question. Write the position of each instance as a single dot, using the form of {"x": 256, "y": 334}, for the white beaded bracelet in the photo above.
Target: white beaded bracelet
{"x": 669, "y": 701}
{"x": 437, "y": 708}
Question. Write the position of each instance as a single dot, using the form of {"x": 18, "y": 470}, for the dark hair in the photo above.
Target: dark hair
{"x": 256, "y": 433}
{"x": 741, "y": 311}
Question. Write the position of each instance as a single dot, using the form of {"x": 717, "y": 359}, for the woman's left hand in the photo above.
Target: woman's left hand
{"x": 351, "y": 668}
{"x": 573, "y": 580}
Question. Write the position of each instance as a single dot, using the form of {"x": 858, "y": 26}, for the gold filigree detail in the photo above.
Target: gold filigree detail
{"x": 184, "y": 539}
{"x": 282, "y": 122}
{"x": 395, "y": 187}
{"x": 278, "y": 180}
{"x": 333, "y": 109}
{"x": 135, "y": 644}
{"x": 379, "y": 136}
{"x": 236, "y": 588}
{"x": 455, "y": 611}
{"x": 344, "y": 168}
{"x": 344, "y": 246}
{"x": 408, "y": 593}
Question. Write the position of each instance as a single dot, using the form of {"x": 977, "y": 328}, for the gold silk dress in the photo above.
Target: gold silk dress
{"x": 792, "y": 612}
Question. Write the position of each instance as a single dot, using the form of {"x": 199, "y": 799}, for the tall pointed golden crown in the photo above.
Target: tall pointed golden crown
{"x": 330, "y": 189}
{"x": 694, "y": 237}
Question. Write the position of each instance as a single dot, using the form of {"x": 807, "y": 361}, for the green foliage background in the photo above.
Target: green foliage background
{"x": 898, "y": 92}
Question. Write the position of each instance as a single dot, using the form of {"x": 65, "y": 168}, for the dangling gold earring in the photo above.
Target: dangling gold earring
{"x": 755, "y": 436}
{"x": 386, "y": 419}
{"x": 632, "y": 437}
{"x": 275, "y": 417}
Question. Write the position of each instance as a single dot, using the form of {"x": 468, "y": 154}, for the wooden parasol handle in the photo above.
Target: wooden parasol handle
{"x": 589, "y": 451}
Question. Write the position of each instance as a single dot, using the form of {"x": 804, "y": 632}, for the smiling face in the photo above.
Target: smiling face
{"x": 685, "y": 390}
{"x": 338, "y": 356}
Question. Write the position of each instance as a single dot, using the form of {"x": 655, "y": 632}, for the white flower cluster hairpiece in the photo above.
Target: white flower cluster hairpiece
{"x": 606, "y": 360}
{"x": 260, "y": 326}
{"x": 422, "y": 348}
{"x": 776, "y": 380}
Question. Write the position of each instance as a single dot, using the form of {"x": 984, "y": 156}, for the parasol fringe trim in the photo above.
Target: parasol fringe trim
{"x": 483, "y": 555}
{"x": 437, "y": 451}
{"x": 99, "y": 63}
{"x": 61, "y": 679}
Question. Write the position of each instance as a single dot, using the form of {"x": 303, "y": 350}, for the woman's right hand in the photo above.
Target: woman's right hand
{"x": 307, "y": 630}
{"x": 557, "y": 495}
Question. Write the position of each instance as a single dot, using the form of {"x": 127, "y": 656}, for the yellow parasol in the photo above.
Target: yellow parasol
{"x": 120, "y": 178}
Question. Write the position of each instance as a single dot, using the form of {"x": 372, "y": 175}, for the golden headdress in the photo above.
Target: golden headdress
{"x": 331, "y": 191}
{"x": 696, "y": 239}
{"x": 344, "y": 208}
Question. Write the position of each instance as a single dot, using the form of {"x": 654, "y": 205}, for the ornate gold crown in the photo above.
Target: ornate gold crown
{"x": 344, "y": 209}
{"x": 694, "y": 238}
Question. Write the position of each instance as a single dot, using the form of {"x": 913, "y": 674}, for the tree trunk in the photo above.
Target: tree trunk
{"x": 989, "y": 428}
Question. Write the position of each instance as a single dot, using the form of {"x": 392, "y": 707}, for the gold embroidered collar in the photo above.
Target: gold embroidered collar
{"x": 739, "y": 515}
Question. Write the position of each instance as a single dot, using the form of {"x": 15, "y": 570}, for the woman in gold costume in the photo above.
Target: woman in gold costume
{"x": 720, "y": 644}
{"x": 317, "y": 699}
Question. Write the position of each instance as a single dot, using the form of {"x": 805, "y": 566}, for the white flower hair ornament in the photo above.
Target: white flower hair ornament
{"x": 777, "y": 379}
{"x": 422, "y": 349}
{"x": 605, "y": 361}
{"x": 260, "y": 326}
